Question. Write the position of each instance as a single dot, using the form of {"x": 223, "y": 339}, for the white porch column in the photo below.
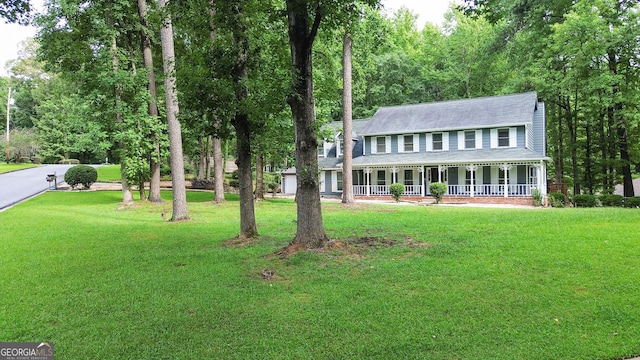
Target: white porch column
{"x": 424, "y": 183}
{"x": 506, "y": 168}
{"x": 367, "y": 180}
{"x": 472, "y": 169}
{"x": 394, "y": 175}
{"x": 440, "y": 171}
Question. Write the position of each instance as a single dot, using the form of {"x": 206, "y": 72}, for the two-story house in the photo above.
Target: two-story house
{"x": 489, "y": 149}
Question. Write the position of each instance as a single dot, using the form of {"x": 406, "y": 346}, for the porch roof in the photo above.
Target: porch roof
{"x": 507, "y": 110}
{"x": 496, "y": 156}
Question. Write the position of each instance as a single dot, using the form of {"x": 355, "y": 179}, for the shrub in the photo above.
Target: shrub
{"x": 24, "y": 160}
{"x": 632, "y": 202}
{"x": 396, "y": 190}
{"x": 81, "y": 174}
{"x": 69, "y": 161}
{"x": 557, "y": 199}
{"x": 537, "y": 197}
{"x": 438, "y": 190}
{"x": 36, "y": 159}
{"x": 611, "y": 200}
{"x": 585, "y": 200}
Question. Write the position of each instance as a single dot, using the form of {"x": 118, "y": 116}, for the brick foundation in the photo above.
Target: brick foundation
{"x": 526, "y": 201}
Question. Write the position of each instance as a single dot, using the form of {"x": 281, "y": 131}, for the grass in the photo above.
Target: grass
{"x": 13, "y": 167}
{"x": 106, "y": 282}
{"x": 109, "y": 173}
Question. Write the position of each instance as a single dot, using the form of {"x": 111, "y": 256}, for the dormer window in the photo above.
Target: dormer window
{"x": 339, "y": 147}
{"x": 321, "y": 149}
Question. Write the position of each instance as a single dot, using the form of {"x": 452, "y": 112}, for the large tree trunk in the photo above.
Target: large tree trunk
{"x": 621, "y": 131}
{"x": 240, "y": 122}
{"x": 202, "y": 160}
{"x": 218, "y": 171}
{"x": 259, "y": 177}
{"x": 347, "y": 122}
{"x": 147, "y": 56}
{"x": 180, "y": 211}
{"x": 310, "y": 230}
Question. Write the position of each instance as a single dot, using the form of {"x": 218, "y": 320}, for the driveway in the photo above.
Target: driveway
{"x": 20, "y": 185}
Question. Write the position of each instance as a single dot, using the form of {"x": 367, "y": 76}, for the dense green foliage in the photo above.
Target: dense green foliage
{"x": 585, "y": 200}
{"x": 396, "y": 190}
{"x": 457, "y": 282}
{"x": 632, "y": 202}
{"x": 611, "y": 200}
{"x": 437, "y": 190}
{"x": 84, "y": 175}
{"x": 557, "y": 199}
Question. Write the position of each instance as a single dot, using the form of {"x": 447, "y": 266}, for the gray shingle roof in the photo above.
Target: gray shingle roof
{"x": 507, "y": 110}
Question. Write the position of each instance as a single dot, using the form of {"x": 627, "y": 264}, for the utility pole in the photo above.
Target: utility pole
{"x": 8, "y": 130}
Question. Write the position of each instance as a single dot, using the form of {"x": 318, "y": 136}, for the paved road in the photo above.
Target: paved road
{"x": 19, "y": 185}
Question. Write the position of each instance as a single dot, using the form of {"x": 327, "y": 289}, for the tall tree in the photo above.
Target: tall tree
{"x": 304, "y": 18}
{"x": 154, "y": 158}
{"x": 347, "y": 122}
{"x": 180, "y": 211}
{"x": 240, "y": 121}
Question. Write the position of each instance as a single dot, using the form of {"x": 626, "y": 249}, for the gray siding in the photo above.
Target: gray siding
{"x": 539, "y": 138}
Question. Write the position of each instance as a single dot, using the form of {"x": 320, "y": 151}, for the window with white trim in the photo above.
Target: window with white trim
{"x": 470, "y": 139}
{"x": 408, "y": 143}
{"x": 503, "y": 137}
{"x": 321, "y": 149}
{"x": 408, "y": 177}
{"x": 436, "y": 141}
{"x": 339, "y": 180}
{"x": 382, "y": 177}
{"x": 339, "y": 147}
{"x": 381, "y": 144}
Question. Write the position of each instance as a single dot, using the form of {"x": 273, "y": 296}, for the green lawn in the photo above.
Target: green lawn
{"x": 13, "y": 167}
{"x": 404, "y": 282}
{"x": 109, "y": 173}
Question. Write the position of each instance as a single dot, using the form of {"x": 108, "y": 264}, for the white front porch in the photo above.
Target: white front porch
{"x": 515, "y": 179}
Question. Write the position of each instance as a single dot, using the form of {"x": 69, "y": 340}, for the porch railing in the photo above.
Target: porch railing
{"x": 513, "y": 190}
{"x": 490, "y": 190}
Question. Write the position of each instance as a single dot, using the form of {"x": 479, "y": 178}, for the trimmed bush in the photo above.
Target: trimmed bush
{"x": 611, "y": 200}
{"x": 537, "y": 197}
{"x": 585, "y": 200}
{"x": 557, "y": 199}
{"x": 81, "y": 174}
{"x": 438, "y": 190}
{"x": 36, "y": 159}
{"x": 632, "y": 202}
{"x": 396, "y": 190}
{"x": 69, "y": 161}
{"x": 24, "y": 160}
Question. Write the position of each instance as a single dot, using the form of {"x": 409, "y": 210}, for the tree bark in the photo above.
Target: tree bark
{"x": 147, "y": 56}
{"x": 259, "y": 193}
{"x": 240, "y": 122}
{"x": 347, "y": 122}
{"x": 218, "y": 171}
{"x": 218, "y": 161}
{"x": 180, "y": 211}
{"x": 310, "y": 229}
